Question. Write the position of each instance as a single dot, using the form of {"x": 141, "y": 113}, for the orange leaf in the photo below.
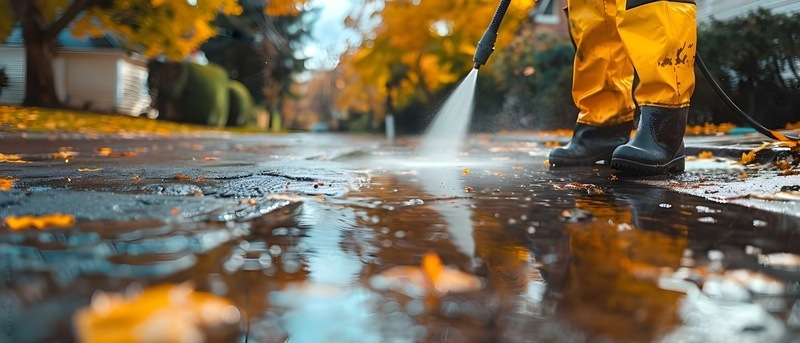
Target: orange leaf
{"x": 748, "y": 157}
{"x": 6, "y": 183}
{"x": 11, "y": 158}
{"x": 40, "y": 222}
{"x": 705, "y": 155}
{"x": 162, "y": 313}
{"x": 432, "y": 265}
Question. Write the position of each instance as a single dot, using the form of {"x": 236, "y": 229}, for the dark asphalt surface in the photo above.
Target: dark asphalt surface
{"x": 293, "y": 227}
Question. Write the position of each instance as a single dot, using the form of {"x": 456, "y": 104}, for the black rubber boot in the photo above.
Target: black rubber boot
{"x": 657, "y": 146}
{"x": 590, "y": 144}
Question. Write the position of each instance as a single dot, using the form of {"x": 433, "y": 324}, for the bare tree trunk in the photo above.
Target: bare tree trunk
{"x": 40, "y": 48}
{"x": 40, "y": 88}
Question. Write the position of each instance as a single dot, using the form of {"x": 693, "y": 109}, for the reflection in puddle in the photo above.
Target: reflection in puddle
{"x": 557, "y": 263}
{"x": 446, "y": 184}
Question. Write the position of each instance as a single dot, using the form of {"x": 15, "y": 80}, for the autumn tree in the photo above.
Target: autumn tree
{"x": 417, "y": 48}
{"x": 169, "y": 28}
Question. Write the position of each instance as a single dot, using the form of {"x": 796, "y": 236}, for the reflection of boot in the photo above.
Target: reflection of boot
{"x": 657, "y": 147}
{"x": 590, "y": 144}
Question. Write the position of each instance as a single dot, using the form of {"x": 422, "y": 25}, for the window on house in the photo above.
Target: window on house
{"x": 546, "y": 12}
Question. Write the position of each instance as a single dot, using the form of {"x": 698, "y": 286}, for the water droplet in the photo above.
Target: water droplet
{"x": 759, "y": 223}
{"x": 400, "y": 234}
{"x": 705, "y": 209}
{"x": 413, "y": 202}
{"x": 415, "y": 307}
{"x": 665, "y": 205}
{"x": 707, "y": 220}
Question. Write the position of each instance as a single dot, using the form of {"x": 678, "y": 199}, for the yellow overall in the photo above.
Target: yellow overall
{"x": 614, "y": 37}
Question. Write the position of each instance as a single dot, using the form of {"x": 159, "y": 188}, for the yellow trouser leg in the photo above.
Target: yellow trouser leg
{"x": 660, "y": 37}
{"x": 603, "y": 74}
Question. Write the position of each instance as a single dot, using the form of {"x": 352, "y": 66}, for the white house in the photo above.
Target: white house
{"x": 726, "y": 9}
{"x": 94, "y": 75}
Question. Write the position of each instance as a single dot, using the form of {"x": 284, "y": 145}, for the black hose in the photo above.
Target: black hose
{"x": 736, "y": 110}
{"x": 486, "y": 44}
{"x": 498, "y": 15}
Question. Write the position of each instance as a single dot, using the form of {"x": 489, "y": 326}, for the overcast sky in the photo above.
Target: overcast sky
{"x": 329, "y": 35}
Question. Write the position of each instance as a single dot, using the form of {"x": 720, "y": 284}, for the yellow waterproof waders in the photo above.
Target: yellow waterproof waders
{"x": 657, "y": 38}
{"x": 615, "y": 39}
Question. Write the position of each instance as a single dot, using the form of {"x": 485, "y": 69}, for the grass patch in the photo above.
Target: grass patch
{"x": 32, "y": 119}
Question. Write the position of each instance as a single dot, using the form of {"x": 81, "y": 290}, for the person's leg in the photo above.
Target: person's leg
{"x": 601, "y": 85}
{"x": 660, "y": 37}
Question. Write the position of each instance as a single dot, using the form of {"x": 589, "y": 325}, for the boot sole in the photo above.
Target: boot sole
{"x": 677, "y": 165}
{"x": 562, "y": 162}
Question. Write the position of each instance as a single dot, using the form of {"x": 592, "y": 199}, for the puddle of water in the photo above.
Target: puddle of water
{"x": 558, "y": 260}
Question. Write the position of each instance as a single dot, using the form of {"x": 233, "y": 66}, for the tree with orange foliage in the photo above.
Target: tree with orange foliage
{"x": 170, "y": 28}
{"x": 418, "y": 48}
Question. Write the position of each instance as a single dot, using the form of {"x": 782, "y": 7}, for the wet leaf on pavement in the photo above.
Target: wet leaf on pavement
{"x": 6, "y": 183}
{"x": 163, "y": 313}
{"x": 11, "y": 158}
{"x": 432, "y": 278}
{"x": 40, "y": 222}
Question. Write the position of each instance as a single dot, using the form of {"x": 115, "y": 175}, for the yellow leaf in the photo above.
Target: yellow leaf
{"x": 162, "y": 313}
{"x": 89, "y": 170}
{"x": 40, "y": 222}
{"x": 11, "y": 158}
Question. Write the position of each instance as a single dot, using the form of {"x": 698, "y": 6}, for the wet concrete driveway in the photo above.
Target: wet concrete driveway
{"x": 301, "y": 233}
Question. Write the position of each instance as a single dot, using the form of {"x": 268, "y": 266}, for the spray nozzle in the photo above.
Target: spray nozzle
{"x": 486, "y": 44}
{"x": 485, "y": 48}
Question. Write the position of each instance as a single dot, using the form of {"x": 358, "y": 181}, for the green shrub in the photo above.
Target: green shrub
{"x": 242, "y": 110}
{"x": 205, "y": 96}
{"x": 755, "y": 58}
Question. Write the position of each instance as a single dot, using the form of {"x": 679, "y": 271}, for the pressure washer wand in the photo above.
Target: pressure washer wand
{"x": 486, "y": 44}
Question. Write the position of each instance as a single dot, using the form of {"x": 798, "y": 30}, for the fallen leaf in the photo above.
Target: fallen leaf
{"x": 40, "y": 222}
{"x": 748, "y": 157}
{"x": 789, "y": 172}
{"x": 6, "y": 183}
{"x": 89, "y": 170}
{"x": 705, "y": 155}
{"x": 104, "y": 151}
{"x": 163, "y": 313}
{"x": 432, "y": 278}
{"x": 11, "y": 158}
